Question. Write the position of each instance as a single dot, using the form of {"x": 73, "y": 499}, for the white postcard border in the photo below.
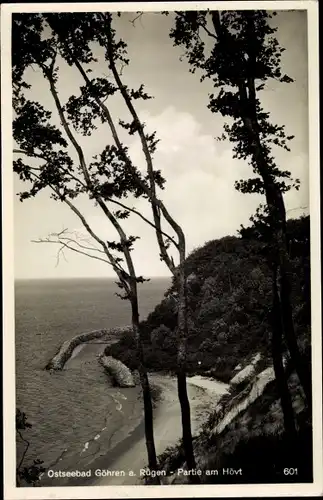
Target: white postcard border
{"x": 178, "y": 491}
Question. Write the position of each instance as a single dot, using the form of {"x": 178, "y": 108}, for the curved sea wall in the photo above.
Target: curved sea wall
{"x": 67, "y": 348}
{"x": 120, "y": 373}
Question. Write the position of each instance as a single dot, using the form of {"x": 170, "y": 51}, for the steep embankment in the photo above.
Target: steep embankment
{"x": 245, "y": 434}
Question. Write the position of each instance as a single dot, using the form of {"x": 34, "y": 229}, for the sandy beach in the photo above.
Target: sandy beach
{"x": 117, "y": 454}
{"x": 167, "y": 427}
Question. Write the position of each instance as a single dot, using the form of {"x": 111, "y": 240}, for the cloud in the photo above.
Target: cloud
{"x": 200, "y": 177}
{"x": 199, "y": 191}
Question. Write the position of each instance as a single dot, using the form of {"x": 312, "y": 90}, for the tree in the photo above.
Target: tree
{"x": 159, "y": 211}
{"x": 102, "y": 31}
{"x": 238, "y": 52}
{"x": 112, "y": 176}
{"x": 30, "y": 474}
{"x": 104, "y": 181}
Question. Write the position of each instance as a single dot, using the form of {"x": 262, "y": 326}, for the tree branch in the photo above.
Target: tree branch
{"x": 92, "y": 249}
{"x": 106, "y": 211}
{"x": 60, "y": 251}
{"x": 27, "y": 153}
{"x": 133, "y": 210}
{"x": 67, "y": 128}
{"x": 215, "y": 16}
{"x": 133, "y": 21}
{"x": 128, "y": 163}
{"x": 116, "y": 266}
{"x": 59, "y": 241}
{"x": 208, "y": 31}
{"x": 156, "y": 204}
{"x": 25, "y": 451}
{"x": 115, "y": 135}
{"x": 36, "y": 155}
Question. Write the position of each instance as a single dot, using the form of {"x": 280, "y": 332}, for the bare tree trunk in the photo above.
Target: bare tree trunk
{"x": 276, "y": 205}
{"x": 182, "y": 333}
{"x": 275, "y": 202}
{"x": 144, "y": 381}
{"x": 303, "y": 371}
{"x": 280, "y": 374}
{"x": 158, "y": 209}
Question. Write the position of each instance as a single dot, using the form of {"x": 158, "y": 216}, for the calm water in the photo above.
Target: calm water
{"x": 66, "y": 407}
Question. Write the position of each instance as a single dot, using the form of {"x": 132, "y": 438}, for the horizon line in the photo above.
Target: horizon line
{"x": 80, "y": 277}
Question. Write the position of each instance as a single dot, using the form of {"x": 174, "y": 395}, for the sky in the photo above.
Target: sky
{"x": 200, "y": 172}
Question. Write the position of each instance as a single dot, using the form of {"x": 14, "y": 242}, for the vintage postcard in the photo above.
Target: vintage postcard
{"x": 161, "y": 250}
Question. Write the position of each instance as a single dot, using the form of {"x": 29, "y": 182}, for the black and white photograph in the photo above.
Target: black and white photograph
{"x": 161, "y": 255}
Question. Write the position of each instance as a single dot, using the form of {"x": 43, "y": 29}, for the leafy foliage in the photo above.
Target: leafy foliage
{"x": 21, "y": 420}
{"x": 48, "y": 42}
{"x": 31, "y": 473}
{"x": 239, "y": 53}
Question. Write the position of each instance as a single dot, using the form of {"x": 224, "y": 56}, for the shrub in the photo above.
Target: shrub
{"x": 30, "y": 473}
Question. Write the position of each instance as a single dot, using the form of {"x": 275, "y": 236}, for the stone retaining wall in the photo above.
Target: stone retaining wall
{"x": 67, "y": 348}
{"x": 120, "y": 373}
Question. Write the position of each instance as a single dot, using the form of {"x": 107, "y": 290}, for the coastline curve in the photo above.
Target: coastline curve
{"x": 65, "y": 352}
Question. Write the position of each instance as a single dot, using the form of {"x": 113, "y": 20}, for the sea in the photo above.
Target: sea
{"x": 66, "y": 407}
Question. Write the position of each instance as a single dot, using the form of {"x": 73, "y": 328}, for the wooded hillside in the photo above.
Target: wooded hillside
{"x": 230, "y": 301}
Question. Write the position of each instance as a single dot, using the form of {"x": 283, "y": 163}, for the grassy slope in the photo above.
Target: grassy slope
{"x": 253, "y": 441}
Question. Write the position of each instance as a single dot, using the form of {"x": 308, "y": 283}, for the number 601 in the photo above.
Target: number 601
{"x": 290, "y": 472}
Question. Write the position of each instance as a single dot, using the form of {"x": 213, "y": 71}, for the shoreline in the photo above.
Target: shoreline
{"x": 126, "y": 460}
{"x": 128, "y": 452}
{"x": 128, "y": 456}
{"x": 107, "y": 461}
